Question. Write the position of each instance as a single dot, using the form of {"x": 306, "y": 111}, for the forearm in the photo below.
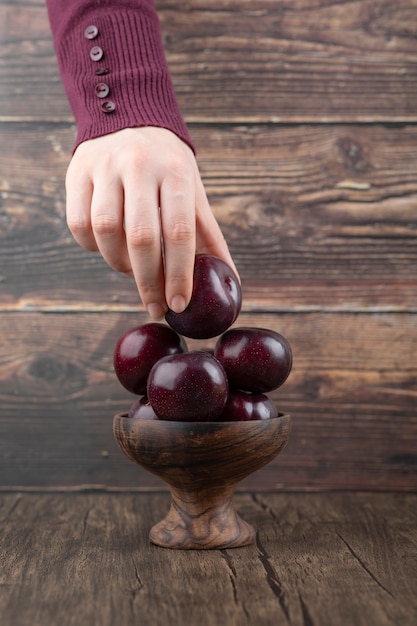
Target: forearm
{"x": 129, "y": 63}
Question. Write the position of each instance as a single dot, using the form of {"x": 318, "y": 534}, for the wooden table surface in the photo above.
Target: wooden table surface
{"x": 83, "y": 558}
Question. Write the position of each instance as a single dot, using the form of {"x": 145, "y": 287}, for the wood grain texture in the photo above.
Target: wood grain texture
{"x": 315, "y": 216}
{"x": 351, "y": 395}
{"x": 332, "y": 560}
{"x": 202, "y": 463}
{"x": 281, "y": 61}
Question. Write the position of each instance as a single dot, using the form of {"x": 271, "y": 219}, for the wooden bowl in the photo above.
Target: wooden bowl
{"x": 202, "y": 463}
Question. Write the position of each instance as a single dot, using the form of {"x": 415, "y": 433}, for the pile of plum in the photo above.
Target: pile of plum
{"x": 228, "y": 383}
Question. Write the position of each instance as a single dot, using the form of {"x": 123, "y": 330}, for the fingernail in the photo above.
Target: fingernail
{"x": 178, "y": 304}
{"x": 156, "y": 311}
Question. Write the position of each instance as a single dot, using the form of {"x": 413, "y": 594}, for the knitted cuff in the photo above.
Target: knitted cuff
{"x": 115, "y": 73}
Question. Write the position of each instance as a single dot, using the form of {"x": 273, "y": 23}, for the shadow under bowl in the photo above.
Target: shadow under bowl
{"x": 202, "y": 464}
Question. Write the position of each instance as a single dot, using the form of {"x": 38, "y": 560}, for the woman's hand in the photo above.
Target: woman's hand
{"x": 137, "y": 197}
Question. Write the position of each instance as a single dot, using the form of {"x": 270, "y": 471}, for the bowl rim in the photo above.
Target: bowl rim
{"x": 123, "y": 416}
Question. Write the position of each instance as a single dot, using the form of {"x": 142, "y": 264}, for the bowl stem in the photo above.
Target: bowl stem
{"x": 202, "y": 520}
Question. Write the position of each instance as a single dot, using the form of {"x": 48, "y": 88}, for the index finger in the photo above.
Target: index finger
{"x": 143, "y": 238}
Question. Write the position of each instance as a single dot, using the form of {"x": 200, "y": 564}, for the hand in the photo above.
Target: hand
{"x": 137, "y": 197}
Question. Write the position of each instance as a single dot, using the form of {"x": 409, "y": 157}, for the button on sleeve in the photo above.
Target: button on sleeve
{"x": 91, "y": 32}
{"x": 102, "y": 90}
{"x": 108, "y": 106}
{"x": 96, "y": 53}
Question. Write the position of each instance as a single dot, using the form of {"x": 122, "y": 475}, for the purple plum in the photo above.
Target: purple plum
{"x": 190, "y": 387}
{"x": 255, "y": 359}
{"x": 142, "y": 409}
{"x": 139, "y": 348}
{"x": 242, "y": 406}
{"x": 215, "y": 302}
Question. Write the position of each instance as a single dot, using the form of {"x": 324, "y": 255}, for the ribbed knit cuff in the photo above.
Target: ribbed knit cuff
{"x": 131, "y": 66}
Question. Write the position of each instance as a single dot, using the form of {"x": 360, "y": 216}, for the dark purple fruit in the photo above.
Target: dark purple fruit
{"x": 190, "y": 387}
{"x": 215, "y": 301}
{"x": 243, "y": 407}
{"x": 142, "y": 409}
{"x": 255, "y": 359}
{"x": 138, "y": 349}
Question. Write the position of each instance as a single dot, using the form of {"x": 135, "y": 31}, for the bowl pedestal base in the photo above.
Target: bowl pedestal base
{"x": 199, "y": 521}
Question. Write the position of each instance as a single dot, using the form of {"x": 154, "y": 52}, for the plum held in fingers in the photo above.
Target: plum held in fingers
{"x": 242, "y": 406}
{"x": 215, "y": 302}
{"x": 257, "y": 360}
{"x": 139, "y": 348}
{"x": 188, "y": 387}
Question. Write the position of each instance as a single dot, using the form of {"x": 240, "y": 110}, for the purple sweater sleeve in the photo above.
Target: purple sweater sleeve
{"x": 113, "y": 66}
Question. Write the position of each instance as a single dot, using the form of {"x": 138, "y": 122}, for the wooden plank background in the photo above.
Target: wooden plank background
{"x": 304, "y": 115}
